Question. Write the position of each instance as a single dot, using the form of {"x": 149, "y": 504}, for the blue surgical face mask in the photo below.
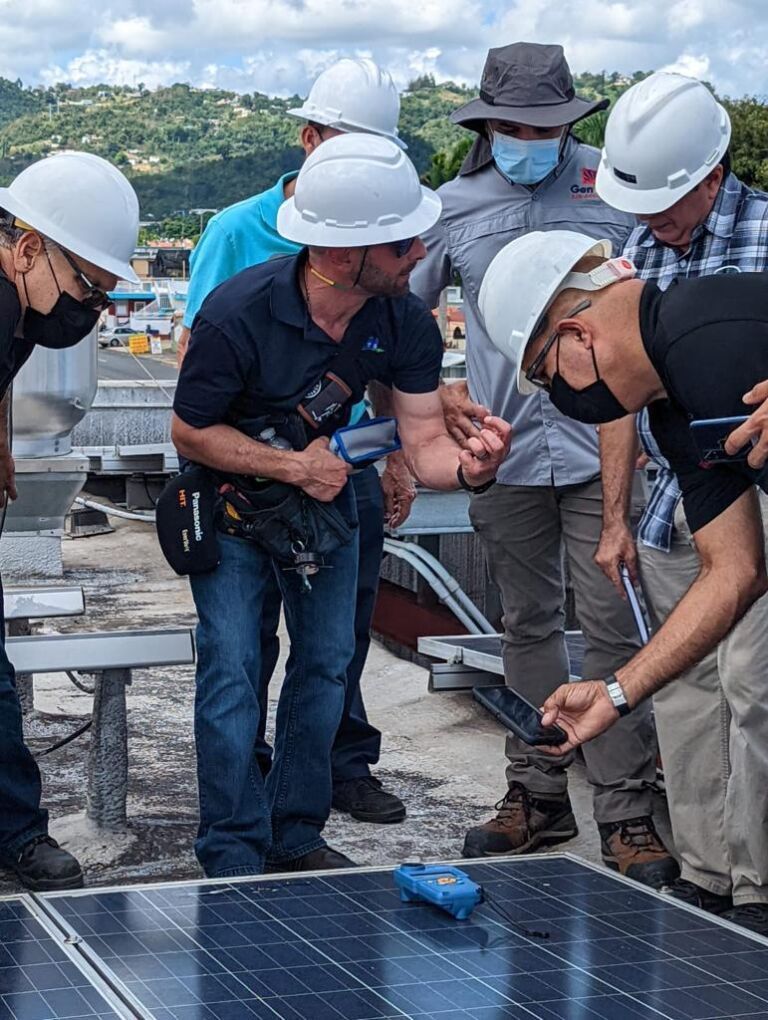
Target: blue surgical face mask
{"x": 524, "y": 162}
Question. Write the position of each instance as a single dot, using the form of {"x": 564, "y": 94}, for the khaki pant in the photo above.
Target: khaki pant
{"x": 712, "y": 724}
{"x": 525, "y": 530}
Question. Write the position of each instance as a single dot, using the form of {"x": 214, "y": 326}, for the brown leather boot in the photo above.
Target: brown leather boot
{"x": 634, "y": 849}
{"x": 523, "y": 823}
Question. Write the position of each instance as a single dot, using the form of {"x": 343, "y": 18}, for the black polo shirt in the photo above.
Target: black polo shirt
{"x": 14, "y": 350}
{"x": 708, "y": 340}
{"x": 254, "y": 349}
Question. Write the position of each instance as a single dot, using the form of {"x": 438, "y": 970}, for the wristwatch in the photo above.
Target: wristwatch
{"x": 474, "y": 489}
{"x": 617, "y": 696}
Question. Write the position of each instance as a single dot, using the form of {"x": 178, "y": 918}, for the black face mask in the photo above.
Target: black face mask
{"x": 64, "y": 326}
{"x": 594, "y": 405}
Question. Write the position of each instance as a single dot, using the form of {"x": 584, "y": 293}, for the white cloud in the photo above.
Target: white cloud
{"x": 694, "y": 65}
{"x": 280, "y": 45}
{"x": 97, "y": 66}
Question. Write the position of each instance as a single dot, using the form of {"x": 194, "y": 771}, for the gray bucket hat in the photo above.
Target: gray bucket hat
{"x": 526, "y": 83}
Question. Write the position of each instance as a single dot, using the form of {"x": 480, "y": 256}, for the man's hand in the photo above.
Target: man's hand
{"x": 583, "y": 709}
{"x": 462, "y": 416}
{"x": 320, "y": 473}
{"x": 7, "y": 476}
{"x": 399, "y": 490}
{"x": 486, "y": 451}
{"x": 755, "y": 427}
{"x": 617, "y": 546}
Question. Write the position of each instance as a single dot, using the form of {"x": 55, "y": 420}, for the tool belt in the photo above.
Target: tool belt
{"x": 298, "y": 532}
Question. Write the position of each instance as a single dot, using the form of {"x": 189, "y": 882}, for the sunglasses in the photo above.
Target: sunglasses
{"x": 95, "y": 297}
{"x": 532, "y": 373}
{"x": 401, "y": 248}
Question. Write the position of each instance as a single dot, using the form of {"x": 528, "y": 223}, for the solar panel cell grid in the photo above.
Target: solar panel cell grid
{"x": 343, "y": 947}
{"x": 37, "y": 980}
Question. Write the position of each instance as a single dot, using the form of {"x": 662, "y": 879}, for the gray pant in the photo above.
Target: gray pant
{"x": 712, "y": 724}
{"x": 524, "y": 530}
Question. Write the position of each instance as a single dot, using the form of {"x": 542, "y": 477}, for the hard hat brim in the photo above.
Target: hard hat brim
{"x": 349, "y": 127}
{"x": 20, "y": 210}
{"x": 293, "y": 226}
{"x": 648, "y": 202}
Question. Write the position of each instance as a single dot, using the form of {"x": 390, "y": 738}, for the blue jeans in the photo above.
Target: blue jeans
{"x": 357, "y": 743}
{"x": 21, "y": 817}
{"x": 245, "y": 819}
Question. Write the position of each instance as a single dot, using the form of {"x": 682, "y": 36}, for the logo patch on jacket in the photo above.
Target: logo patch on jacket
{"x": 587, "y": 187}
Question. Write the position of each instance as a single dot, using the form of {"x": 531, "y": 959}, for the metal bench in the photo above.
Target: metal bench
{"x": 42, "y": 603}
{"x": 22, "y": 606}
{"x": 110, "y": 656}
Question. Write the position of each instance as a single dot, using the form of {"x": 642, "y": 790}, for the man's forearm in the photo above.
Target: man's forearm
{"x": 230, "y": 451}
{"x": 618, "y": 454}
{"x": 711, "y": 607}
{"x": 434, "y": 463}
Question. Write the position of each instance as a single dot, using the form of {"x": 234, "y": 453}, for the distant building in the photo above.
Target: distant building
{"x": 164, "y": 260}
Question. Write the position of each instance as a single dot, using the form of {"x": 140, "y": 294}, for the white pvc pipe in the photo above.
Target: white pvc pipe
{"x": 403, "y": 551}
{"x": 451, "y": 584}
{"x": 114, "y": 512}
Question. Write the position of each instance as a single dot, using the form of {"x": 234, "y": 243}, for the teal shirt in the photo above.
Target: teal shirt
{"x": 240, "y": 236}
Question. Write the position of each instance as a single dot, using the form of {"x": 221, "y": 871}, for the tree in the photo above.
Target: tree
{"x": 446, "y": 164}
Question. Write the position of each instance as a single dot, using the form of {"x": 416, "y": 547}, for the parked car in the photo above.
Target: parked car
{"x": 118, "y": 336}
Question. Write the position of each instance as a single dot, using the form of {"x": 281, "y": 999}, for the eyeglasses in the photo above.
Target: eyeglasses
{"x": 95, "y": 297}
{"x": 401, "y": 248}
{"x": 533, "y": 369}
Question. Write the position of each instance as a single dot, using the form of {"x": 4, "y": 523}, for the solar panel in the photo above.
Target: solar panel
{"x": 38, "y": 980}
{"x": 343, "y": 947}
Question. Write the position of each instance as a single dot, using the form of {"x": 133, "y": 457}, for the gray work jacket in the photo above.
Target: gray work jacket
{"x": 482, "y": 212}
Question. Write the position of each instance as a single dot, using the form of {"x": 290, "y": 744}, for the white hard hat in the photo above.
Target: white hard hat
{"x": 355, "y": 190}
{"x": 663, "y": 137}
{"x": 523, "y": 280}
{"x": 354, "y": 95}
{"x": 83, "y": 203}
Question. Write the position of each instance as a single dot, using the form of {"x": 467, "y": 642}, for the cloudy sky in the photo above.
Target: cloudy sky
{"x": 278, "y": 46}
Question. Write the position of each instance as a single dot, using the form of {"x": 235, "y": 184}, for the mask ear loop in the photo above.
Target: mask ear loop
{"x": 53, "y": 272}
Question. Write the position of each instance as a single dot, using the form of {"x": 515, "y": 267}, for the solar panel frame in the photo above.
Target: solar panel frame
{"x": 336, "y": 933}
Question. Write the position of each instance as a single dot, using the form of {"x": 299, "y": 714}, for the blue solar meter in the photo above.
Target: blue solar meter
{"x": 445, "y": 887}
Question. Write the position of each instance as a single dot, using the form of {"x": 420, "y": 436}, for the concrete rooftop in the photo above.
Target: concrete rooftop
{"x": 441, "y": 752}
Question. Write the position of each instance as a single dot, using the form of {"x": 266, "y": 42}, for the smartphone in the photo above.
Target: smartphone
{"x": 519, "y": 716}
{"x": 710, "y": 434}
{"x": 634, "y": 605}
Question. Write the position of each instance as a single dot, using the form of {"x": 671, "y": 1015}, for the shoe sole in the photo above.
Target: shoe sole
{"x": 46, "y": 885}
{"x": 376, "y": 819}
{"x": 658, "y": 884}
{"x": 547, "y": 837}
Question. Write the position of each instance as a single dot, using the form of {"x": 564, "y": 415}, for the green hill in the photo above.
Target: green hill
{"x": 187, "y": 148}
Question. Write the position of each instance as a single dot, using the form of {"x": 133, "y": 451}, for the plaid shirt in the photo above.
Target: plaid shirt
{"x": 734, "y": 236}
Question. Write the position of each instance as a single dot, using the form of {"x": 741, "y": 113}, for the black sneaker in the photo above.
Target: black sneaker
{"x": 692, "y": 894}
{"x": 749, "y": 915}
{"x": 524, "y": 822}
{"x": 322, "y": 859}
{"x": 367, "y": 801}
{"x": 634, "y": 849}
{"x": 43, "y": 866}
